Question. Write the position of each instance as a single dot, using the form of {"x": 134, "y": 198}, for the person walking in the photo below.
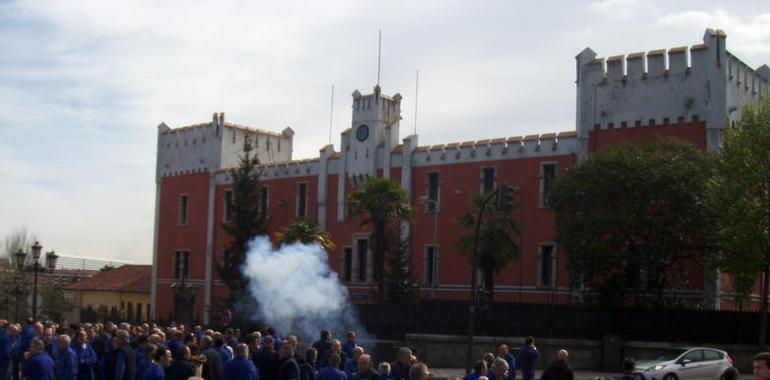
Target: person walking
{"x": 504, "y": 352}
{"x": 364, "y": 369}
{"x": 288, "y": 368}
{"x": 559, "y": 369}
{"x": 332, "y": 371}
{"x": 479, "y": 370}
{"x": 181, "y": 368}
{"x": 37, "y": 364}
{"x": 528, "y": 354}
{"x": 66, "y": 364}
{"x": 240, "y": 367}
{"x": 85, "y": 356}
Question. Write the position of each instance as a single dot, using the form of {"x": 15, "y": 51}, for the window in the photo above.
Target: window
{"x": 149, "y": 315}
{"x": 431, "y": 205}
{"x": 228, "y": 211}
{"x": 546, "y": 264}
{"x": 711, "y": 355}
{"x": 487, "y": 180}
{"x": 181, "y": 260}
{"x": 183, "y": 208}
{"x": 130, "y": 312}
{"x": 347, "y": 264}
{"x": 694, "y": 356}
{"x": 362, "y": 254}
{"x": 264, "y": 198}
{"x": 547, "y": 179}
{"x": 139, "y": 311}
{"x": 301, "y": 200}
{"x": 279, "y": 144}
{"x": 431, "y": 266}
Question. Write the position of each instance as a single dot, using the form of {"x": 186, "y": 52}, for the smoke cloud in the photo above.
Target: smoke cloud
{"x": 296, "y": 290}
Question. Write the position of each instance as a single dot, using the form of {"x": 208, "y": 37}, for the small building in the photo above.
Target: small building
{"x": 120, "y": 294}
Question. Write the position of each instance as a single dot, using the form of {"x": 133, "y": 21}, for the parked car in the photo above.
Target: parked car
{"x": 688, "y": 363}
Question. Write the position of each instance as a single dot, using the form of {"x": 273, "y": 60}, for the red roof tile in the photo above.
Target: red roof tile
{"x": 128, "y": 278}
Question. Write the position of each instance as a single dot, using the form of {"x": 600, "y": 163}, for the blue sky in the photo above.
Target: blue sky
{"x": 83, "y": 84}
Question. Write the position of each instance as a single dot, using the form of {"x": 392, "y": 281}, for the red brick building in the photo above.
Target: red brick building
{"x": 685, "y": 92}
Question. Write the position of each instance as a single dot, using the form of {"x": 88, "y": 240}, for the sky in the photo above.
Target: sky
{"x": 84, "y": 84}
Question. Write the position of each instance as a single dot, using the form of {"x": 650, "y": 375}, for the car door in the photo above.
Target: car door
{"x": 690, "y": 371}
{"x": 712, "y": 364}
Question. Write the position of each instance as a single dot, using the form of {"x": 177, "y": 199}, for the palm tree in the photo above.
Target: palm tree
{"x": 495, "y": 245}
{"x": 379, "y": 201}
{"x": 305, "y": 232}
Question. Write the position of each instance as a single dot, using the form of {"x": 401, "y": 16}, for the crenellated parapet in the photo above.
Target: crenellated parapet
{"x": 547, "y": 144}
{"x": 685, "y": 83}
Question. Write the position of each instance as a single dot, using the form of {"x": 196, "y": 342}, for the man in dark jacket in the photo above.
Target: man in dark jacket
{"x": 66, "y": 366}
{"x": 504, "y": 352}
{"x": 399, "y": 370}
{"x": 308, "y": 367}
{"x": 37, "y": 365}
{"x": 365, "y": 370}
{"x": 288, "y": 368}
{"x": 324, "y": 348}
{"x": 240, "y": 367}
{"x": 5, "y": 350}
{"x": 479, "y": 369}
{"x": 213, "y": 368}
{"x": 180, "y": 368}
{"x": 121, "y": 364}
{"x": 528, "y": 354}
{"x": 266, "y": 359}
{"x": 332, "y": 371}
{"x": 560, "y": 369}
{"x": 86, "y": 357}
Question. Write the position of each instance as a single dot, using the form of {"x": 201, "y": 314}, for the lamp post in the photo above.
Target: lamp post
{"x": 35, "y": 267}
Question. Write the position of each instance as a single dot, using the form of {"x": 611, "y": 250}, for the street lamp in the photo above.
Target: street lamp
{"x": 35, "y": 267}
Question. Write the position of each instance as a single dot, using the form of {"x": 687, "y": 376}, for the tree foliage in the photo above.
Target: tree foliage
{"x": 399, "y": 282}
{"x": 496, "y": 246}
{"x": 630, "y": 215}
{"x": 306, "y": 232}
{"x": 246, "y": 221}
{"x": 740, "y": 197}
{"x": 380, "y": 201}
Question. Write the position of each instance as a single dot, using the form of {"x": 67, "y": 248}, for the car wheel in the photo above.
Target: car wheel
{"x": 669, "y": 376}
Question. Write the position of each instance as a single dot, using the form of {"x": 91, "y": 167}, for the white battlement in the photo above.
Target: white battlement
{"x": 209, "y": 147}
{"x": 681, "y": 83}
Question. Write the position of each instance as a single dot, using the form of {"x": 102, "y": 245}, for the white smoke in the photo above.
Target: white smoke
{"x": 296, "y": 290}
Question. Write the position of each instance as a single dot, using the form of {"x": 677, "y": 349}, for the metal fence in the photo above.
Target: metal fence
{"x": 562, "y": 321}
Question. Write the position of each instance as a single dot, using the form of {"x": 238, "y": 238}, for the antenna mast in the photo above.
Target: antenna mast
{"x": 416, "y": 88}
{"x": 379, "y": 55}
{"x": 331, "y": 116}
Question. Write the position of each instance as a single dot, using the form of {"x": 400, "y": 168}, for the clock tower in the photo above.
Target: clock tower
{"x": 373, "y": 135}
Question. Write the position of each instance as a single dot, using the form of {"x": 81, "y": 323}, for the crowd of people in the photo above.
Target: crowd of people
{"x": 108, "y": 351}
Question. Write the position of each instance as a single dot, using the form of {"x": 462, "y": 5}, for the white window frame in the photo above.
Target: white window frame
{"x": 175, "y": 264}
{"x": 265, "y": 212}
{"x": 437, "y": 206}
{"x": 342, "y": 264}
{"x": 554, "y": 262}
{"x": 186, "y": 209}
{"x": 541, "y": 180}
{"x": 435, "y": 269}
{"x": 369, "y": 260}
{"x": 297, "y": 199}
{"x": 481, "y": 178}
{"x": 226, "y": 206}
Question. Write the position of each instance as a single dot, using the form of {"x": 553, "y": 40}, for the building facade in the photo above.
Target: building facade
{"x": 690, "y": 92}
{"x": 121, "y": 293}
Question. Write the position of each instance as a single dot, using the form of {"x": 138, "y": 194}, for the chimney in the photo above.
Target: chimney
{"x": 215, "y": 119}
{"x": 221, "y": 118}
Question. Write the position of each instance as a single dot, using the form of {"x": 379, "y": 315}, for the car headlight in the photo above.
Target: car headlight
{"x": 659, "y": 367}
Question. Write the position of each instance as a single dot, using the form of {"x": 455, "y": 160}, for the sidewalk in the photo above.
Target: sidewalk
{"x": 449, "y": 373}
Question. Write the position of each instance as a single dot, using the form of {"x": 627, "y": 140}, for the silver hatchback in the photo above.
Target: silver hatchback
{"x": 687, "y": 363}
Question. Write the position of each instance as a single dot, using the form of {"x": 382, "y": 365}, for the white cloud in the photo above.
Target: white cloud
{"x": 617, "y": 9}
{"x": 747, "y": 36}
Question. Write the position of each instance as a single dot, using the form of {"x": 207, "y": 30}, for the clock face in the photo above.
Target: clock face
{"x": 362, "y": 132}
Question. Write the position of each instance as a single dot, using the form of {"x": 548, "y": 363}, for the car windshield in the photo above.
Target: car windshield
{"x": 669, "y": 355}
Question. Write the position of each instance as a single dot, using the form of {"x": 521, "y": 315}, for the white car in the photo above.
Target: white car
{"x": 688, "y": 363}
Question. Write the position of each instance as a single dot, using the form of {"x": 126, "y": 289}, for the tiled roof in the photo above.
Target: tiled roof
{"x": 128, "y": 278}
